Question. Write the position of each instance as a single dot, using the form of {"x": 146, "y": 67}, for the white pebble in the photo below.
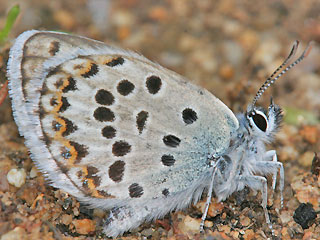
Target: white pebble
{"x": 33, "y": 172}
{"x": 17, "y": 177}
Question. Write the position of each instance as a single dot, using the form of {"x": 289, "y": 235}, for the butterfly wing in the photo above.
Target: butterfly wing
{"x": 104, "y": 123}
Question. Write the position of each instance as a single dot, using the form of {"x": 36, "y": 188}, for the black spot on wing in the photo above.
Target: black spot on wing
{"x": 165, "y": 192}
{"x": 54, "y": 48}
{"x": 171, "y": 141}
{"x": 135, "y": 190}
{"x": 71, "y": 86}
{"x": 153, "y": 84}
{"x": 53, "y": 71}
{"x": 93, "y": 70}
{"x": 81, "y": 150}
{"x": 189, "y": 116}
{"x": 104, "y": 97}
{"x": 116, "y": 171}
{"x": 92, "y": 174}
{"x": 121, "y": 148}
{"x": 167, "y": 160}
{"x": 65, "y": 104}
{"x": 70, "y": 127}
{"x": 125, "y": 87}
{"x": 141, "y": 120}
{"x": 108, "y": 132}
{"x": 115, "y": 62}
{"x": 103, "y": 114}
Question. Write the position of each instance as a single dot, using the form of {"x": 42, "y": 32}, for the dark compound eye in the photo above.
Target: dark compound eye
{"x": 260, "y": 121}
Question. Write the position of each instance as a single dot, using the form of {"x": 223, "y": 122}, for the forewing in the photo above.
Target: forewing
{"x": 102, "y": 122}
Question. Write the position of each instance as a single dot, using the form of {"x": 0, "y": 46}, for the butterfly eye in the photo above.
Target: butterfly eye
{"x": 260, "y": 120}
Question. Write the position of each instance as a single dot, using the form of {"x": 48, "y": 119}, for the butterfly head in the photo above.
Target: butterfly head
{"x": 263, "y": 123}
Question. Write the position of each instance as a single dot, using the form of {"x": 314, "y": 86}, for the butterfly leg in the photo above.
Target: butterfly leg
{"x": 259, "y": 183}
{"x": 276, "y": 166}
{"x": 272, "y": 155}
{"x": 210, "y": 189}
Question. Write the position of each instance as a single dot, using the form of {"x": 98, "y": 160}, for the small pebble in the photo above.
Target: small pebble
{"x": 4, "y": 185}
{"x": 189, "y": 224}
{"x": 224, "y": 228}
{"x": 288, "y": 153}
{"x": 16, "y": 233}
{"x": 147, "y": 232}
{"x": 186, "y": 42}
{"x": 17, "y": 177}
{"x": 28, "y": 193}
{"x": 100, "y": 213}
{"x": 215, "y": 208}
{"x": 304, "y": 215}
{"x": 249, "y": 39}
{"x": 306, "y": 159}
{"x": 123, "y": 18}
{"x": 65, "y": 19}
{"x": 285, "y": 217}
{"x": 66, "y": 219}
{"x": 33, "y": 172}
{"x": 285, "y": 233}
{"x": 203, "y": 58}
{"x": 308, "y": 236}
{"x": 232, "y": 27}
{"x": 245, "y": 221}
{"x": 234, "y": 234}
{"x": 267, "y": 51}
{"x": 309, "y": 134}
{"x": 315, "y": 167}
{"x": 233, "y": 52}
{"x": 249, "y": 234}
{"x": 84, "y": 226}
{"x": 226, "y": 72}
{"x": 158, "y": 13}
{"x": 208, "y": 224}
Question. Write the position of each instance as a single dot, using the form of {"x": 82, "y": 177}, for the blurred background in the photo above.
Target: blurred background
{"x": 226, "y": 46}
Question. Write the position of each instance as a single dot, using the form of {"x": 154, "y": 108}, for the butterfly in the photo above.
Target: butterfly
{"x": 124, "y": 134}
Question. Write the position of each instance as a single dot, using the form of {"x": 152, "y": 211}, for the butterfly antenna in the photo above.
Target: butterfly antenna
{"x": 272, "y": 79}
